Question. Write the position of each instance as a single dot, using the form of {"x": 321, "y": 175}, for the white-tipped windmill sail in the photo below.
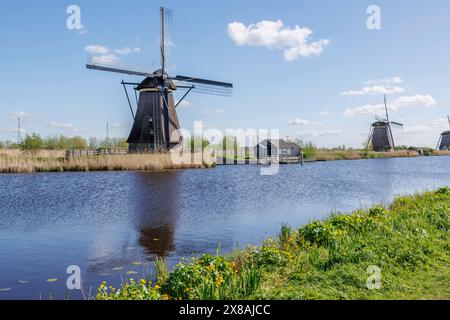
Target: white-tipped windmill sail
{"x": 156, "y": 119}
{"x": 444, "y": 140}
{"x": 381, "y": 137}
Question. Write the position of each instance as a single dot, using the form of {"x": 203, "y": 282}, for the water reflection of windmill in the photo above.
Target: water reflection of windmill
{"x": 444, "y": 140}
{"x": 156, "y": 120}
{"x": 380, "y": 136}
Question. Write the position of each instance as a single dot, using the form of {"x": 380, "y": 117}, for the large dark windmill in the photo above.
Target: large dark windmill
{"x": 156, "y": 120}
{"x": 380, "y": 135}
{"x": 444, "y": 140}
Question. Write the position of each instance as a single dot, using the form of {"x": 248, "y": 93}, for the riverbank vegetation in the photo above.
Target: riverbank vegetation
{"x": 18, "y": 161}
{"x": 396, "y": 252}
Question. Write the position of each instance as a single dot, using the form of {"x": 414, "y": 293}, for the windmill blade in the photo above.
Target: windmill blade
{"x": 105, "y": 64}
{"x": 166, "y": 17}
{"x": 396, "y": 124}
{"x": 204, "y": 86}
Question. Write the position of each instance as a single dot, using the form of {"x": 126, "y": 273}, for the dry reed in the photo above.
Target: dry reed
{"x": 325, "y": 155}
{"x": 16, "y": 161}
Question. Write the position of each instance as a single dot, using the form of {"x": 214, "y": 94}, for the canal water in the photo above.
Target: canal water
{"x": 114, "y": 224}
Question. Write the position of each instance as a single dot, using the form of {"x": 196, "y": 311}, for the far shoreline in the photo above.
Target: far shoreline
{"x": 48, "y": 161}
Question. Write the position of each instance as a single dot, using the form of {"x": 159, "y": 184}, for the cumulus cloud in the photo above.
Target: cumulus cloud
{"x": 441, "y": 122}
{"x": 416, "y": 129}
{"x": 184, "y": 104}
{"x": 275, "y": 35}
{"x": 298, "y": 122}
{"x": 315, "y": 134}
{"x": 96, "y": 49}
{"x": 18, "y": 114}
{"x": 63, "y": 126}
{"x": 375, "y": 89}
{"x": 213, "y": 111}
{"x": 391, "y": 80}
{"x": 126, "y": 50}
{"x": 326, "y": 114}
{"x": 110, "y": 55}
{"x": 13, "y": 131}
{"x": 417, "y": 101}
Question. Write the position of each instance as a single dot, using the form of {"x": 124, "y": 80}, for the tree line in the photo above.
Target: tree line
{"x": 35, "y": 142}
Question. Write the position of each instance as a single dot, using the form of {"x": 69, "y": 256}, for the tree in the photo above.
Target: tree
{"x": 32, "y": 143}
{"x": 2, "y": 145}
{"x": 93, "y": 143}
{"x": 77, "y": 143}
{"x": 309, "y": 150}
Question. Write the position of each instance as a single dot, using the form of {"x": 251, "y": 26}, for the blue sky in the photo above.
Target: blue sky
{"x": 327, "y": 94}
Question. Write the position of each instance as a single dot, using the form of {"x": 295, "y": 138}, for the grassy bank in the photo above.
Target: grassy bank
{"x": 16, "y": 161}
{"x": 331, "y": 155}
{"x": 408, "y": 242}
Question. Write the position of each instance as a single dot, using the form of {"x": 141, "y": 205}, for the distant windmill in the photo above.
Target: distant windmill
{"x": 156, "y": 120}
{"x": 444, "y": 140}
{"x": 380, "y": 135}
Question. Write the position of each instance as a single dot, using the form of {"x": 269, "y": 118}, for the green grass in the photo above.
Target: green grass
{"x": 408, "y": 242}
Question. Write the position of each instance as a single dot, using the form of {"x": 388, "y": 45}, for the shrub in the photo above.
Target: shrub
{"x": 32, "y": 143}
{"x": 377, "y": 211}
{"x": 317, "y": 232}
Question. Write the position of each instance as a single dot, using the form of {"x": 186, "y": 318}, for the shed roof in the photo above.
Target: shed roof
{"x": 281, "y": 143}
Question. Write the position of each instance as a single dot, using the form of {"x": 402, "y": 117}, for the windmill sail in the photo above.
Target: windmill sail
{"x": 166, "y": 18}
{"x": 156, "y": 122}
{"x": 104, "y": 64}
{"x": 204, "y": 86}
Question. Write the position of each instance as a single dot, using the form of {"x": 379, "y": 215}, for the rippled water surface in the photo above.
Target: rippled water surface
{"x": 114, "y": 224}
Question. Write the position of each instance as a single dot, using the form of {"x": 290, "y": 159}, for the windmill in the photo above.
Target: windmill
{"x": 380, "y": 135}
{"x": 444, "y": 140}
{"x": 155, "y": 120}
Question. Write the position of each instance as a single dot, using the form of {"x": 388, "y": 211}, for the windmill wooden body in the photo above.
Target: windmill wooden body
{"x": 444, "y": 140}
{"x": 156, "y": 121}
{"x": 381, "y": 137}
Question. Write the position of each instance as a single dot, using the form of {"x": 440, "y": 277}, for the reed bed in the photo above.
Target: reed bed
{"x": 16, "y": 161}
{"x": 325, "y": 155}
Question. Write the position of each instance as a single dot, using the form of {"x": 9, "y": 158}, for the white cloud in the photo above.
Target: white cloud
{"x": 13, "y": 131}
{"x": 326, "y": 114}
{"x": 184, "y": 104}
{"x": 112, "y": 58}
{"x": 126, "y": 51}
{"x": 298, "y": 122}
{"x": 441, "y": 122}
{"x": 110, "y": 55}
{"x": 315, "y": 134}
{"x": 19, "y": 114}
{"x": 96, "y": 49}
{"x": 63, "y": 126}
{"x": 375, "y": 89}
{"x": 213, "y": 111}
{"x": 274, "y": 35}
{"x": 416, "y": 129}
{"x": 391, "y": 80}
{"x": 417, "y": 101}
